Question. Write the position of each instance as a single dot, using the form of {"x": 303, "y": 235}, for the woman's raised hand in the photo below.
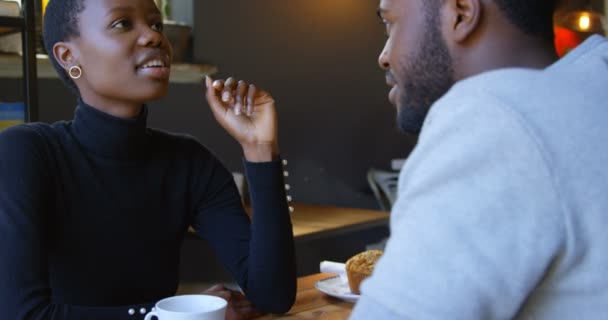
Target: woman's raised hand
{"x": 248, "y": 114}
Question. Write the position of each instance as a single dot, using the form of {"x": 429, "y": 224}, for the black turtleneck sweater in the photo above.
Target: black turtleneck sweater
{"x": 93, "y": 212}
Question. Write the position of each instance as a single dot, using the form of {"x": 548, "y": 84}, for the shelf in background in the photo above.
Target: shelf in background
{"x": 10, "y": 21}
{"x": 11, "y": 67}
{"x": 13, "y": 22}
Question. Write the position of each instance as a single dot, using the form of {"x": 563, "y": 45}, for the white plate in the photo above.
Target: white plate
{"x": 335, "y": 287}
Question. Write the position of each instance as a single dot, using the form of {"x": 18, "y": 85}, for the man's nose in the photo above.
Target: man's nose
{"x": 383, "y": 59}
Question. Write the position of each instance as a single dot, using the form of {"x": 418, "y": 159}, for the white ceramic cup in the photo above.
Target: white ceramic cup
{"x": 189, "y": 307}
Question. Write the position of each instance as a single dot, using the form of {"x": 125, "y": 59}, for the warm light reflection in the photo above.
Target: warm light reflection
{"x": 44, "y": 3}
{"x": 584, "y": 22}
{"x": 329, "y": 13}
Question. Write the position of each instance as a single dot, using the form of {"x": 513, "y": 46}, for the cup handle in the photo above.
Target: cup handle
{"x": 150, "y": 315}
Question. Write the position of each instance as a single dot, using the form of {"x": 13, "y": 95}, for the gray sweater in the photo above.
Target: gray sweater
{"x": 503, "y": 206}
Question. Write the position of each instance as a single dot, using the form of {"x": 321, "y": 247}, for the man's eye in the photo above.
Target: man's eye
{"x": 387, "y": 28}
{"x": 121, "y": 24}
{"x": 158, "y": 27}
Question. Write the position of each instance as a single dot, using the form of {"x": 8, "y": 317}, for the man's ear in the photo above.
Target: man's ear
{"x": 65, "y": 54}
{"x": 464, "y": 18}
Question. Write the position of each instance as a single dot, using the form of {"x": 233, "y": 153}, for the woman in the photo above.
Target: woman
{"x": 93, "y": 211}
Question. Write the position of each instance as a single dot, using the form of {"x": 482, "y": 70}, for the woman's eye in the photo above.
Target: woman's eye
{"x": 121, "y": 24}
{"x": 158, "y": 27}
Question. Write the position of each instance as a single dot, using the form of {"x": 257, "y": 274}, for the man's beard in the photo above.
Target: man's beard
{"x": 428, "y": 75}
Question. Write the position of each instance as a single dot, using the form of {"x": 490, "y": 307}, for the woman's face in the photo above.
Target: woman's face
{"x": 123, "y": 53}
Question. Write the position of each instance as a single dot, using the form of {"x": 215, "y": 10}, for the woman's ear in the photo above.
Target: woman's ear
{"x": 65, "y": 54}
{"x": 464, "y": 18}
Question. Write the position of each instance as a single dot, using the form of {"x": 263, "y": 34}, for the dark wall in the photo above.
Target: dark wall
{"x": 583, "y": 4}
{"x": 319, "y": 60}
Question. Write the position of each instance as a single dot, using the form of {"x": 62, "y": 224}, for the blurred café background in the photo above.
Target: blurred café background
{"x": 318, "y": 58}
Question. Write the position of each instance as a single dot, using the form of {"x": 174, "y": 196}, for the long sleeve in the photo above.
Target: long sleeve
{"x": 272, "y": 257}
{"x": 260, "y": 254}
{"x": 25, "y": 197}
{"x": 478, "y": 222}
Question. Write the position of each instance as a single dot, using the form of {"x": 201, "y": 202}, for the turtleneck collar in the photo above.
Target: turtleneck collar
{"x": 109, "y": 136}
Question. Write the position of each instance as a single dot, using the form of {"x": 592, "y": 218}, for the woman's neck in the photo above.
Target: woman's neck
{"x": 117, "y": 108}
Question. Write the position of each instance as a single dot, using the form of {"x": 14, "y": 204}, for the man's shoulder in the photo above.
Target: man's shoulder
{"x": 585, "y": 54}
{"x": 580, "y": 64}
{"x": 485, "y": 94}
{"x": 497, "y": 83}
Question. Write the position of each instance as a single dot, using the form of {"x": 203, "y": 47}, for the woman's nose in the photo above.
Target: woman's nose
{"x": 150, "y": 38}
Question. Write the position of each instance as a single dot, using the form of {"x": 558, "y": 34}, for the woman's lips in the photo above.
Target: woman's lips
{"x": 161, "y": 73}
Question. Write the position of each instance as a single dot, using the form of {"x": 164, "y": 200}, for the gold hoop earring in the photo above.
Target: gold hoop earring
{"x": 75, "y": 69}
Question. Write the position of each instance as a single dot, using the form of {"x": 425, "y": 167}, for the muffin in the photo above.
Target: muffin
{"x": 360, "y": 267}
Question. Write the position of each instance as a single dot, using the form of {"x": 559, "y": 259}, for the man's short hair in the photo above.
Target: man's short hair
{"x": 533, "y": 17}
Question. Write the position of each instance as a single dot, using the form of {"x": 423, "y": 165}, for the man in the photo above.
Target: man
{"x": 502, "y": 208}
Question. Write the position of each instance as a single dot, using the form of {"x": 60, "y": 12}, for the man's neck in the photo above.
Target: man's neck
{"x": 525, "y": 52}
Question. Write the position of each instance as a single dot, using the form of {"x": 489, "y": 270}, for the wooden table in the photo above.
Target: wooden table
{"x": 314, "y": 304}
{"x": 321, "y": 233}
{"x": 311, "y": 220}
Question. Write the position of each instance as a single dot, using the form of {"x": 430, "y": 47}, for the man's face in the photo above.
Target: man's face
{"x": 417, "y": 62}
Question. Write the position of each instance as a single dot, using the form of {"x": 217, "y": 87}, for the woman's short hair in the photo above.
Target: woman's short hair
{"x": 61, "y": 24}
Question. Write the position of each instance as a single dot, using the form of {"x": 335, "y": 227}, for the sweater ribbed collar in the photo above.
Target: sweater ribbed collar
{"x": 109, "y": 136}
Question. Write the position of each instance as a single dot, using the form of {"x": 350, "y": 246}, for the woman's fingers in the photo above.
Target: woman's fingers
{"x": 228, "y": 93}
{"x": 237, "y": 95}
{"x": 241, "y": 91}
{"x": 217, "y": 107}
{"x": 218, "y": 84}
{"x": 215, "y": 288}
{"x": 251, "y": 98}
{"x": 241, "y": 304}
{"x": 219, "y": 290}
{"x": 242, "y": 308}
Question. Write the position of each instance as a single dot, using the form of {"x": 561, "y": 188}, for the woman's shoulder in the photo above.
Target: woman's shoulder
{"x": 25, "y": 134}
{"x": 27, "y": 141}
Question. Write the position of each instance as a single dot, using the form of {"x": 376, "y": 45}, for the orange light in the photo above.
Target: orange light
{"x": 584, "y": 22}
